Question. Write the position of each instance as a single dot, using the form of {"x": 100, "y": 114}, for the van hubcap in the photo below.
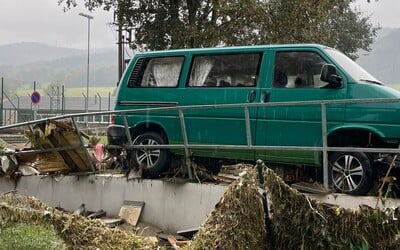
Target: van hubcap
{"x": 347, "y": 173}
{"x": 147, "y": 157}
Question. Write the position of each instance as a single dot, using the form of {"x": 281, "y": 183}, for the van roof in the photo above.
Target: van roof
{"x": 235, "y": 48}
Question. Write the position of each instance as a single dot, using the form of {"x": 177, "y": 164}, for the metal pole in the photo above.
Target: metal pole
{"x": 17, "y": 101}
{"x": 324, "y": 146}
{"x": 248, "y": 127}
{"x": 99, "y": 100}
{"x": 86, "y": 101}
{"x": 17, "y": 116}
{"x": 186, "y": 143}
{"x": 62, "y": 100}
{"x": 109, "y": 101}
{"x": 88, "y": 63}
{"x": 82, "y": 145}
{"x": 2, "y": 101}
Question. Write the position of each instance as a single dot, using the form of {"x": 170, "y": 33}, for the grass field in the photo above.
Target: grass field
{"x": 104, "y": 91}
{"x": 19, "y": 236}
{"x": 74, "y": 92}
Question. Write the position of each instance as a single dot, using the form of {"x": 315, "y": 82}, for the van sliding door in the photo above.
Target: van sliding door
{"x": 215, "y": 79}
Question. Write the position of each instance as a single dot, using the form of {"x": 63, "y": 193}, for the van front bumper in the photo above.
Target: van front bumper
{"x": 116, "y": 135}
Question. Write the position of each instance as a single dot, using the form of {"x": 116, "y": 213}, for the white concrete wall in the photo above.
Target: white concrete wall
{"x": 170, "y": 206}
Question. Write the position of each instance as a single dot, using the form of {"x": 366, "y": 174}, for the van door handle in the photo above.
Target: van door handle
{"x": 267, "y": 94}
{"x": 252, "y": 96}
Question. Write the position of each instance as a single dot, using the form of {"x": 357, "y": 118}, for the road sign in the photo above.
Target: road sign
{"x": 35, "y": 97}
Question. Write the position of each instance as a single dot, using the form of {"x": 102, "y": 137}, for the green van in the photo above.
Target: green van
{"x": 257, "y": 77}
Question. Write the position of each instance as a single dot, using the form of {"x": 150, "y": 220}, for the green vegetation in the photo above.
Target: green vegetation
{"x": 208, "y": 23}
{"x": 23, "y": 236}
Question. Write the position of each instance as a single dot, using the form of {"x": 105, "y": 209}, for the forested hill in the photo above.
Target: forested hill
{"x": 28, "y": 62}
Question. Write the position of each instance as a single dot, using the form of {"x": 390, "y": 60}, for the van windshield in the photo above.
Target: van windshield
{"x": 352, "y": 68}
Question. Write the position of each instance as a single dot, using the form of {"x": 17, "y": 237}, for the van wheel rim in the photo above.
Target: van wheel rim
{"x": 347, "y": 173}
{"x": 147, "y": 157}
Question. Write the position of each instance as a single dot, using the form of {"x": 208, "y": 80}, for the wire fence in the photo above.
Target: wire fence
{"x": 16, "y": 107}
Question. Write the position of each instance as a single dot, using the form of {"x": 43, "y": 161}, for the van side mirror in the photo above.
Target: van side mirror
{"x": 330, "y": 75}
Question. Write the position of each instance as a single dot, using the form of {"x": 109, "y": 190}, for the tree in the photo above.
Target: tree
{"x": 165, "y": 24}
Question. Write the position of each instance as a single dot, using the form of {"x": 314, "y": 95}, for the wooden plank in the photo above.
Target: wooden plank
{"x": 61, "y": 134}
{"x": 74, "y": 158}
{"x": 131, "y": 211}
{"x": 310, "y": 188}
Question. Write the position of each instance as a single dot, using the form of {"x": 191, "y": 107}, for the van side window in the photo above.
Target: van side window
{"x": 298, "y": 70}
{"x": 156, "y": 72}
{"x": 232, "y": 70}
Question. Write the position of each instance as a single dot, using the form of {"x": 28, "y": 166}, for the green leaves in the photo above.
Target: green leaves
{"x": 168, "y": 24}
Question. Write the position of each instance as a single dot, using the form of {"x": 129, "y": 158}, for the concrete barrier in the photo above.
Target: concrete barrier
{"x": 170, "y": 206}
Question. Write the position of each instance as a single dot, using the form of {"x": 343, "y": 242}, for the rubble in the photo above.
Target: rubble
{"x": 238, "y": 221}
{"x": 58, "y": 134}
{"x": 55, "y": 147}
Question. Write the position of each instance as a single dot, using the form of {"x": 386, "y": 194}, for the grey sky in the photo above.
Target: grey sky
{"x": 44, "y": 21}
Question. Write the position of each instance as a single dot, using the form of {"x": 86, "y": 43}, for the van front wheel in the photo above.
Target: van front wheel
{"x": 152, "y": 161}
{"x": 351, "y": 172}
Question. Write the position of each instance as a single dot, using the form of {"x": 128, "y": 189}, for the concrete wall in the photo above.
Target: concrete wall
{"x": 169, "y": 206}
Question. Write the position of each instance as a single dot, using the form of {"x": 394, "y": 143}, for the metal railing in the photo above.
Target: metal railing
{"x": 246, "y": 106}
{"x": 14, "y": 116}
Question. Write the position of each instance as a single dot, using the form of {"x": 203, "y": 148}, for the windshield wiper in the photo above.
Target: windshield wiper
{"x": 371, "y": 81}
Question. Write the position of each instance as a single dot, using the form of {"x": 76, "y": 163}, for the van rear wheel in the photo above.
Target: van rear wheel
{"x": 351, "y": 172}
{"x": 152, "y": 161}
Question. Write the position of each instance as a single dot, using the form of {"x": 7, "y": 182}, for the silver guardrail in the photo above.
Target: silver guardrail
{"x": 246, "y": 106}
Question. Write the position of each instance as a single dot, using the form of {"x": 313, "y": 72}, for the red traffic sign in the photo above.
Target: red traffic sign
{"x": 35, "y": 97}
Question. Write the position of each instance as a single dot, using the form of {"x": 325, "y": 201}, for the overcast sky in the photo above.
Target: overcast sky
{"x": 44, "y": 21}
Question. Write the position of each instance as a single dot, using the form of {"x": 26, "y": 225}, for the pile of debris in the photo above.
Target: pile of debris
{"x": 255, "y": 212}
{"x": 76, "y": 231}
{"x": 302, "y": 222}
{"x": 294, "y": 220}
{"x": 238, "y": 221}
{"x": 54, "y": 147}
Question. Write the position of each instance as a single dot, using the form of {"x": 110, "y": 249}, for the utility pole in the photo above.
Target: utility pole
{"x": 122, "y": 40}
{"x": 120, "y": 51}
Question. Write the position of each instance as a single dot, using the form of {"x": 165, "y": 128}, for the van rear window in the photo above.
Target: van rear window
{"x": 232, "y": 70}
{"x": 156, "y": 72}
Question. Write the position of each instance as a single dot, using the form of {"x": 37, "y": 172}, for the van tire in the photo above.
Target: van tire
{"x": 351, "y": 172}
{"x": 151, "y": 161}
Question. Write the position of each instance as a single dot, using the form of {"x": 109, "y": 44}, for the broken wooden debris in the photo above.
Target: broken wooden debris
{"x": 9, "y": 165}
{"x": 177, "y": 244}
{"x": 225, "y": 178}
{"x": 175, "y": 241}
{"x": 56, "y": 147}
{"x": 313, "y": 188}
{"x": 59, "y": 134}
{"x": 131, "y": 211}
